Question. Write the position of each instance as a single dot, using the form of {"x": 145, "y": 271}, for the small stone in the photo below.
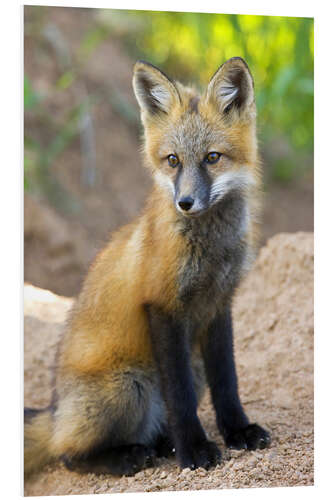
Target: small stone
{"x": 186, "y": 471}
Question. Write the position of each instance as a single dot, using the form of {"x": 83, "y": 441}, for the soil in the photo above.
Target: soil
{"x": 273, "y": 318}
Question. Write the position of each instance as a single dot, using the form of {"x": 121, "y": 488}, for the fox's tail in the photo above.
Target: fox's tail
{"x": 37, "y": 436}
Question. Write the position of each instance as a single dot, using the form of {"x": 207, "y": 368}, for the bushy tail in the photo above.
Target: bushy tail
{"x": 37, "y": 436}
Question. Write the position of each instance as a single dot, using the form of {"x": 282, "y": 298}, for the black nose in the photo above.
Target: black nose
{"x": 186, "y": 203}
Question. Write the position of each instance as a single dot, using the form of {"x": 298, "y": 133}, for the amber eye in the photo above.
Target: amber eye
{"x": 212, "y": 157}
{"x": 173, "y": 160}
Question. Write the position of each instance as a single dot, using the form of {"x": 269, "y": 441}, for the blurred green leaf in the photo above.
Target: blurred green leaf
{"x": 91, "y": 40}
{"x": 65, "y": 80}
{"x": 305, "y": 85}
{"x": 31, "y": 99}
{"x": 283, "y": 81}
{"x": 283, "y": 170}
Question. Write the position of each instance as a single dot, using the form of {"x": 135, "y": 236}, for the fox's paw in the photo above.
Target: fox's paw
{"x": 134, "y": 459}
{"x": 122, "y": 461}
{"x": 164, "y": 446}
{"x": 205, "y": 454}
{"x": 251, "y": 437}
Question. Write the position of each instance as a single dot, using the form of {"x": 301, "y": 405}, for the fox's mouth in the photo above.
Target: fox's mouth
{"x": 193, "y": 215}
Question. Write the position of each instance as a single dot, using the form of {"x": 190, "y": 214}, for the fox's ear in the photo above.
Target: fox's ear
{"x": 232, "y": 86}
{"x": 153, "y": 89}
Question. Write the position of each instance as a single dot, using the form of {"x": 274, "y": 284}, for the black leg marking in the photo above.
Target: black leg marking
{"x": 172, "y": 354}
{"x": 121, "y": 461}
{"x": 217, "y": 347}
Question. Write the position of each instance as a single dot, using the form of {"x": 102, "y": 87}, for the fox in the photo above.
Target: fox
{"x": 152, "y": 325}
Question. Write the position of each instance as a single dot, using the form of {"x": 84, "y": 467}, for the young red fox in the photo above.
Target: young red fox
{"x": 153, "y": 320}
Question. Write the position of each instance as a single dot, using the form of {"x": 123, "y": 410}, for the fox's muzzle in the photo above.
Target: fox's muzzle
{"x": 192, "y": 189}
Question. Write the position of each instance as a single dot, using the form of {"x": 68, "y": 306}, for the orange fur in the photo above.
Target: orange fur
{"x": 108, "y": 328}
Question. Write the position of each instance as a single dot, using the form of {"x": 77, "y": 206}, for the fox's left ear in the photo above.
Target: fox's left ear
{"x": 231, "y": 87}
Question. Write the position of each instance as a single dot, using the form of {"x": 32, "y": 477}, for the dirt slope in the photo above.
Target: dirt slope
{"x": 273, "y": 314}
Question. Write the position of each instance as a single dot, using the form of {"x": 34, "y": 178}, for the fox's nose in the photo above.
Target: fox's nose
{"x": 186, "y": 203}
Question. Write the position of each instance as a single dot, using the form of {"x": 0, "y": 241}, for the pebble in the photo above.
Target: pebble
{"x": 186, "y": 471}
{"x": 140, "y": 475}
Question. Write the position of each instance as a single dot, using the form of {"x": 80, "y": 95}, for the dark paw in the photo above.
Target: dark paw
{"x": 122, "y": 461}
{"x": 251, "y": 437}
{"x": 205, "y": 454}
{"x": 135, "y": 459}
{"x": 164, "y": 447}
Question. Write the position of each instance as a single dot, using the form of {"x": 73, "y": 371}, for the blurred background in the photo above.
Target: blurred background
{"x": 83, "y": 175}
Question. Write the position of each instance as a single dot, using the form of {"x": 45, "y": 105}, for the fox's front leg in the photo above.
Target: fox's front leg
{"x": 217, "y": 347}
{"x": 172, "y": 356}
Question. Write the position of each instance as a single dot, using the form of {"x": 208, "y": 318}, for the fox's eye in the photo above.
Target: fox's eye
{"x": 212, "y": 157}
{"x": 173, "y": 160}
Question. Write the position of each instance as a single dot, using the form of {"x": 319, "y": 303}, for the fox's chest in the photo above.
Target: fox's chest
{"x": 214, "y": 261}
{"x": 211, "y": 276}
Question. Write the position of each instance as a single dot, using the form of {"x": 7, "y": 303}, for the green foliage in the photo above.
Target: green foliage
{"x": 65, "y": 80}
{"x": 30, "y": 97}
{"x": 38, "y": 158}
{"x": 91, "y": 40}
{"x": 31, "y": 101}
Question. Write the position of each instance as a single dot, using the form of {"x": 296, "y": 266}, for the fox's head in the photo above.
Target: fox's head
{"x": 199, "y": 147}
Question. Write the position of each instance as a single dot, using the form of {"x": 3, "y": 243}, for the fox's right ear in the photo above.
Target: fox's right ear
{"x": 154, "y": 91}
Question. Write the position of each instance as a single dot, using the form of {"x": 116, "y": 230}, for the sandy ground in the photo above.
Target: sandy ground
{"x": 273, "y": 316}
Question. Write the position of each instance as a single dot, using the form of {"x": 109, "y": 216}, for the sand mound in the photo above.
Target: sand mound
{"x": 273, "y": 317}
